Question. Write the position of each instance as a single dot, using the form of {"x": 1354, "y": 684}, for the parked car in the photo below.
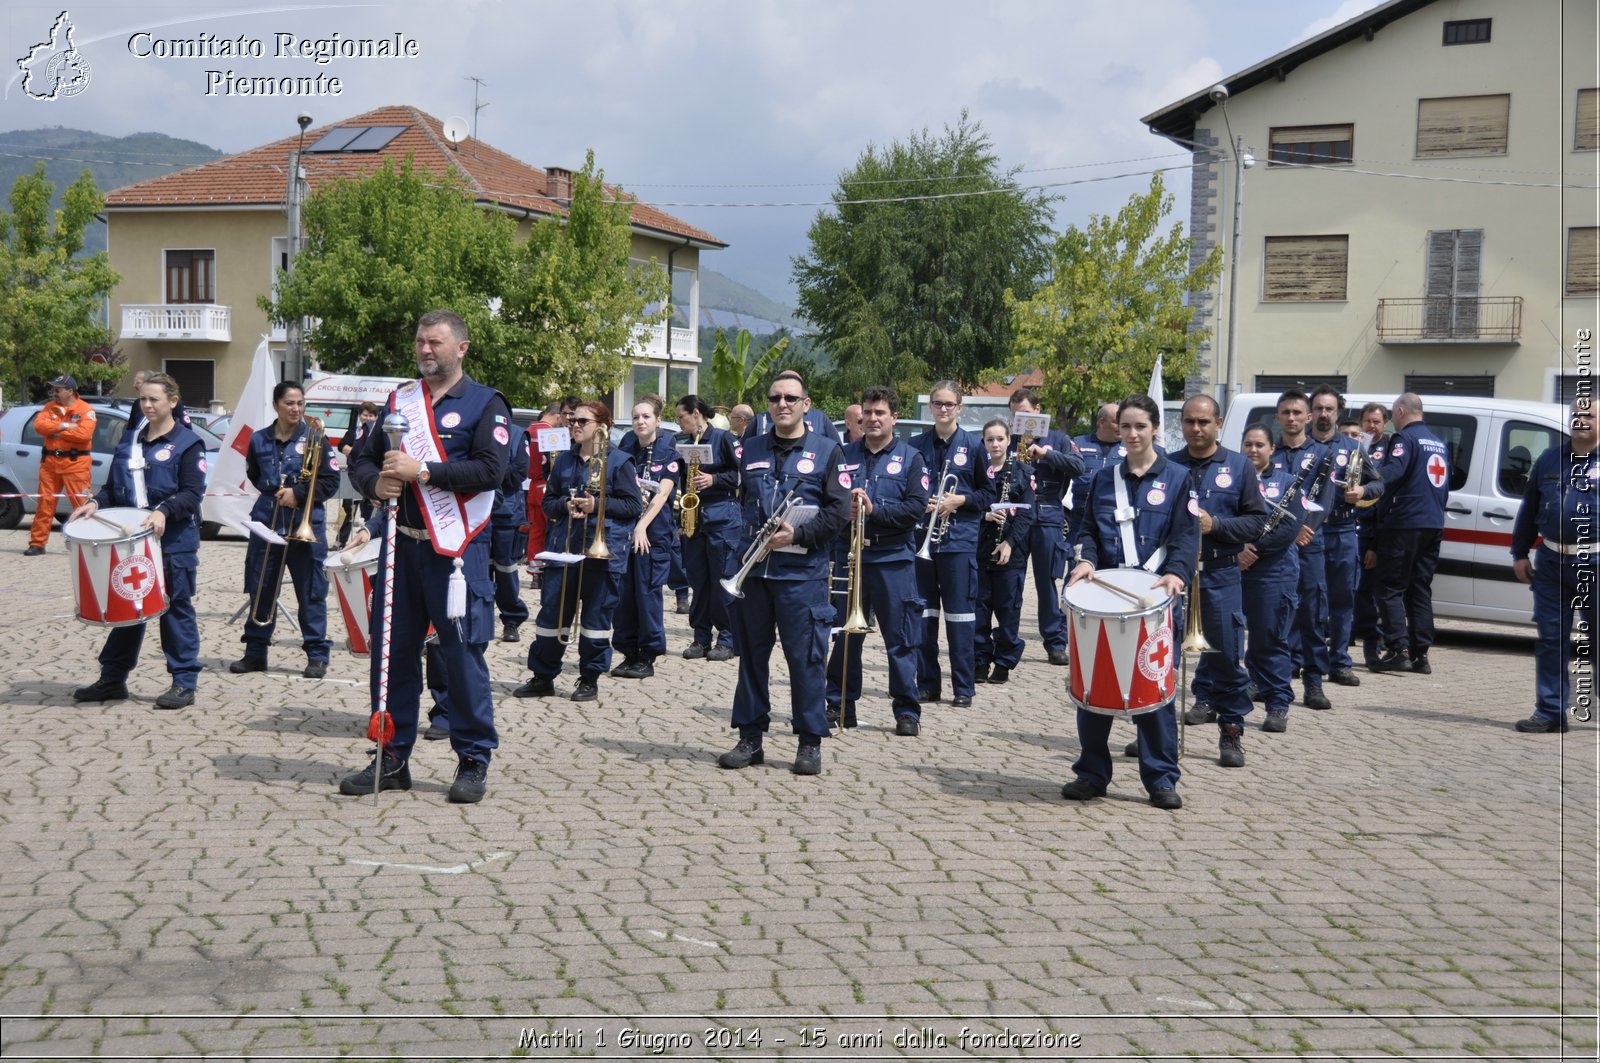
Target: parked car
{"x": 19, "y": 463}
{"x": 1492, "y": 444}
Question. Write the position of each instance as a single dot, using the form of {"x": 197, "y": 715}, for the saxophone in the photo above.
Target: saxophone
{"x": 689, "y": 501}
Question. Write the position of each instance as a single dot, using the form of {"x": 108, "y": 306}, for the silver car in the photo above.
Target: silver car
{"x": 20, "y": 445}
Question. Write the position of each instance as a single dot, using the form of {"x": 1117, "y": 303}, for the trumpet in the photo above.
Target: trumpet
{"x": 759, "y": 549}
{"x": 300, "y": 533}
{"x": 938, "y": 524}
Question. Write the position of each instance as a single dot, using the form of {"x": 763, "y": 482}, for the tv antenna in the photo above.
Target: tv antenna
{"x": 477, "y": 83}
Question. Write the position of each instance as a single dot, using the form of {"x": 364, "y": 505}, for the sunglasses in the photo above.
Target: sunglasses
{"x": 782, "y": 400}
{"x": 580, "y": 420}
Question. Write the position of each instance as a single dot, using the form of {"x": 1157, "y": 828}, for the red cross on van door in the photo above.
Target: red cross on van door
{"x": 1436, "y": 470}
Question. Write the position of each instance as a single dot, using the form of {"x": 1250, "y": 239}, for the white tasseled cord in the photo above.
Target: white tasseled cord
{"x": 456, "y": 603}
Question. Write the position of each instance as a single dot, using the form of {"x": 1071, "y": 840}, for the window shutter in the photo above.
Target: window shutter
{"x": 1583, "y": 261}
{"x": 1310, "y": 134}
{"x": 1588, "y": 138}
{"x": 1305, "y": 268}
{"x": 1469, "y": 259}
{"x": 1463, "y": 125}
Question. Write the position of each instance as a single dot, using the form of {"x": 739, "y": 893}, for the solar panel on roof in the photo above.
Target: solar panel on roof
{"x": 374, "y": 138}
{"x": 338, "y": 139}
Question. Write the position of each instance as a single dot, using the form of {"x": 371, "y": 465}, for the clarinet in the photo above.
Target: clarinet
{"x": 998, "y": 532}
{"x": 1280, "y": 509}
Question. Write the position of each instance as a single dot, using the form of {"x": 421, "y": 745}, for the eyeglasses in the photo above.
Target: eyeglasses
{"x": 580, "y": 420}
{"x": 939, "y": 405}
{"x": 785, "y": 400}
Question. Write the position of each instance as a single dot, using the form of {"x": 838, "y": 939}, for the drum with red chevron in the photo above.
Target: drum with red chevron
{"x": 1119, "y": 637}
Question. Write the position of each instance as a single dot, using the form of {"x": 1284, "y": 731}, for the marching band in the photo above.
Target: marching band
{"x": 1234, "y": 561}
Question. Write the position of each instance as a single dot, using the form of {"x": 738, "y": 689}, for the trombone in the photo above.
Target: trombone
{"x": 938, "y": 524}
{"x": 1194, "y": 635}
{"x": 597, "y": 550}
{"x": 855, "y": 618}
{"x": 301, "y": 532}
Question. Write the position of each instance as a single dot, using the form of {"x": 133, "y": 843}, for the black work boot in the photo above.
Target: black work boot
{"x": 1231, "y": 747}
{"x": 746, "y": 753}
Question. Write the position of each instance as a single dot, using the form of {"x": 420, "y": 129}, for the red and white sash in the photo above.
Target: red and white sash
{"x": 453, "y": 520}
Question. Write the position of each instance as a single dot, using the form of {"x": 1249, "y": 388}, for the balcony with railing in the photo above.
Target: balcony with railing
{"x": 204, "y": 322}
{"x": 685, "y": 343}
{"x": 1479, "y": 319}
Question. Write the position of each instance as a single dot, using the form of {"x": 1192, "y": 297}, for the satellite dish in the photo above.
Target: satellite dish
{"x": 456, "y": 129}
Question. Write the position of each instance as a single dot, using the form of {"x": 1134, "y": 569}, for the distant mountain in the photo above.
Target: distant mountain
{"x": 739, "y": 302}
{"x": 114, "y": 161}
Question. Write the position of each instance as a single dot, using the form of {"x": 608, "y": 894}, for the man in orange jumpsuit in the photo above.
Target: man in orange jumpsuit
{"x": 66, "y": 426}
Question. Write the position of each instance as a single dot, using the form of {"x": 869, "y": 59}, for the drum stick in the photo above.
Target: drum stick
{"x": 1141, "y": 600}
{"x": 108, "y": 522}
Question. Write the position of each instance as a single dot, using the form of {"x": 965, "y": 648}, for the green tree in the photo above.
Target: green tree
{"x": 49, "y": 295}
{"x": 581, "y": 305}
{"x": 907, "y": 273}
{"x": 383, "y": 249}
{"x": 735, "y": 372}
{"x": 1114, "y": 301}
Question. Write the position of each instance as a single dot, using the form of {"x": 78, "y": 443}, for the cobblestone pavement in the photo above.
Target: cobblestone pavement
{"x": 1403, "y": 875}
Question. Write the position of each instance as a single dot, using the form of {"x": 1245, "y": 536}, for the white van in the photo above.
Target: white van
{"x": 1493, "y": 443}
{"x": 336, "y": 400}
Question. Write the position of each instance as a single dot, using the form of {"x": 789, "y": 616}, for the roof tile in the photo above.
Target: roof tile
{"x": 260, "y": 176}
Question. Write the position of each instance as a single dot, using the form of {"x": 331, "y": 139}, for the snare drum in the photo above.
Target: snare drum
{"x": 1122, "y": 651}
{"x": 117, "y": 575}
{"x": 351, "y": 574}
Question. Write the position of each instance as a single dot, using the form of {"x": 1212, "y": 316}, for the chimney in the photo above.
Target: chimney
{"x": 557, "y": 183}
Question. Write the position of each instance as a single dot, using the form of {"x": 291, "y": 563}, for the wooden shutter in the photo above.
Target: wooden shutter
{"x": 1583, "y": 261}
{"x": 1588, "y": 138}
{"x": 1463, "y": 125}
{"x": 1305, "y": 268}
{"x": 1469, "y": 260}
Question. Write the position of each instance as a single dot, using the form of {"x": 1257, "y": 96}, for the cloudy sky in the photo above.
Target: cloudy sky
{"x": 696, "y": 104}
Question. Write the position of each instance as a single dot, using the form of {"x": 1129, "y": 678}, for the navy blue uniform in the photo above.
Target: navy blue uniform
{"x": 1365, "y": 625}
{"x": 786, "y": 594}
{"x": 997, "y": 637}
{"x": 1308, "y": 641}
{"x": 1342, "y": 554}
{"x": 1053, "y": 476}
{"x": 1225, "y": 486}
{"x": 475, "y": 434}
{"x": 712, "y": 552}
{"x": 639, "y": 622}
{"x": 1559, "y": 507}
{"x": 508, "y": 543}
{"x": 1271, "y": 590}
{"x": 174, "y": 483}
{"x": 895, "y": 480}
{"x": 1161, "y": 523}
{"x": 949, "y": 582}
{"x": 589, "y": 588}
{"x": 1416, "y": 486}
{"x": 272, "y": 463}
{"x": 1095, "y": 454}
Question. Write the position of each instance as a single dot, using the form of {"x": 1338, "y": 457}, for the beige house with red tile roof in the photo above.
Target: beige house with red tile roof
{"x": 196, "y": 247}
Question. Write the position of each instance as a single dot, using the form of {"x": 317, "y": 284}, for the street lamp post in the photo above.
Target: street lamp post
{"x": 1242, "y": 161}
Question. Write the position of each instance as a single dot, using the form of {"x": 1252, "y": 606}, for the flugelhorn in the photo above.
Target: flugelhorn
{"x": 759, "y": 548}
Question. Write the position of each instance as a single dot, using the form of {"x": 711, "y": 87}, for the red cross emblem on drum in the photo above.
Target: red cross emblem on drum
{"x": 131, "y": 579}
{"x": 1436, "y": 470}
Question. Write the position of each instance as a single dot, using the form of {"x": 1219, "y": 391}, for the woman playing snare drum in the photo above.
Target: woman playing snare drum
{"x": 1153, "y": 519}
{"x": 174, "y": 478}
